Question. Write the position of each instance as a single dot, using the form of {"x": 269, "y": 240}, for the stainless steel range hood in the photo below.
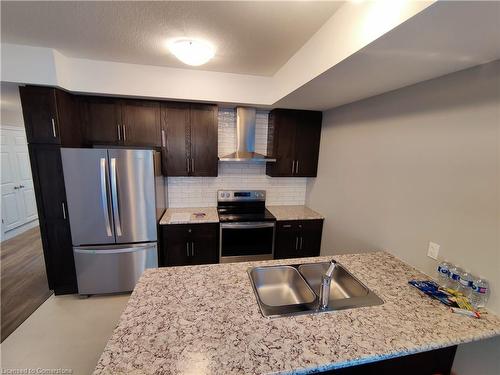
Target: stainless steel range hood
{"x": 245, "y": 138}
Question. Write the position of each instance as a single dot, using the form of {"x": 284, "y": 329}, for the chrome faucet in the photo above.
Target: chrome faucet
{"x": 326, "y": 280}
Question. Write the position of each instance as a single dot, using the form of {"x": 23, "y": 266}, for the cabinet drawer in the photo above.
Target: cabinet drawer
{"x": 286, "y": 225}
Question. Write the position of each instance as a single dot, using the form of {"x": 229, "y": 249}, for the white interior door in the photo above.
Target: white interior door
{"x": 18, "y": 205}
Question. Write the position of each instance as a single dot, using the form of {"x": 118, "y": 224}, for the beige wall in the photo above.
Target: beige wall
{"x": 415, "y": 165}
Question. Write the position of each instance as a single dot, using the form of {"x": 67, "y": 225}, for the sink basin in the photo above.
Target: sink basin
{"x": 343, "y": 285}
{"x": 294, "y": 289}
{"x": 281, "y": 286}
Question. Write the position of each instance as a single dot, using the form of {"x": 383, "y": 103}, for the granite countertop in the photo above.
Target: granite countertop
{"x": 294, "y": 213}
{"x": 205, "y": 320}
{"x": 211, "y": 215}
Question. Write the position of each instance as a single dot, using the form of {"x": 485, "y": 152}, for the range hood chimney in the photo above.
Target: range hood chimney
{"x": 245, "y": 138}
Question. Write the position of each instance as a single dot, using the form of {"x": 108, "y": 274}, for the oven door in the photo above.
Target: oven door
{"x": 246, "y": 241}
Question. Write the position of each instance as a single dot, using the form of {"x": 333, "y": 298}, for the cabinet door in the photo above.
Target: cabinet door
{"x": 58, "y": 252}
{"x": 69, "y": 119}
{"x": 50, "y": 195}
{"x": 46, "y": 166}
{"x": 308, "y": 134}
{"x": 286, "y": 241}
{"x": 175, "y": 150}
{"x": 282, "y": 131}
{"x": 40, "y": 114}
{"x": 176, "y": 245}
{"x": 141, "y": 123}
{"x": 310, "y": 237}
{"x": 204, "y": 159}
{"x": 204, "y": 244}
{"x": 103, "y": 121}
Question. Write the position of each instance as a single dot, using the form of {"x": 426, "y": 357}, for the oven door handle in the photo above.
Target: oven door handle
{"x": 248, "y": 225}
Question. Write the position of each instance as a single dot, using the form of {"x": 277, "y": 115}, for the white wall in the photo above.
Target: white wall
{"x": 415, "y": 165}
{"x": 202, "y": 191}
{"x": 11, "y": 112}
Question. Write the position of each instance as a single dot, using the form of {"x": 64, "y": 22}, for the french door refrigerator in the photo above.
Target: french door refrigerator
{"x": 115, "y": 198}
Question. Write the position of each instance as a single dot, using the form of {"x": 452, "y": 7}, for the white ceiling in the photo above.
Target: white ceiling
{"x": 364, "y": 49}
{"x": 251, "y": 37}
{"x": 444, "y": 38}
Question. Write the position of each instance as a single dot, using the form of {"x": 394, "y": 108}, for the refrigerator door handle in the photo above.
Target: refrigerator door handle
{"x": 113, "y": 249}
{"x": 104, "y": 196}
{"x": 114, "y": 198}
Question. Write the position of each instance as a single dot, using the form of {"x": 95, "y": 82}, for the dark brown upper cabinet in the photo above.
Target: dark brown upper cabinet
{"x": 293, "y": 140}
{"x": 141, "y": 123}
{"x": 189, "y": 139}
{"x": 122, "y": 122}
{"x": 51, "y": 116}
{"x": 102, "y": 118}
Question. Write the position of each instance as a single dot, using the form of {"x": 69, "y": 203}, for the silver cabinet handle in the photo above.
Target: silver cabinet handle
{"x": 293, "y": 166}
{"x": 124, "y": 133}
{"x": 54, "y": 128}
{"x": 300, "y": 247}
{"x": 63, "y": 210}
{"x": 119, "y": 133}
{"x": 286, "y": 226}
{"x": 187, "y": 164}
{"x": 187, "y": 248}
{"x": 114, "y": 198}
{"x": 297, "y": 166}
{"x": 296, "y": 243}
{"x": 163, "y": 139}
{"x": 192, "y": 248}
{"x": 104, "y": 196}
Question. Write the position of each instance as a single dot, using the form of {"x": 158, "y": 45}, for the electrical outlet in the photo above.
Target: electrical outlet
{"x": 433, "y": 251}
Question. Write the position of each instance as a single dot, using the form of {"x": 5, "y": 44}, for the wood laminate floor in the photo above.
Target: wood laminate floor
{"x": 23, "y": 279}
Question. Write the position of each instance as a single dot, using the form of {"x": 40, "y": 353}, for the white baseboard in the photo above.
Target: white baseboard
{"x": 21, "y": 229}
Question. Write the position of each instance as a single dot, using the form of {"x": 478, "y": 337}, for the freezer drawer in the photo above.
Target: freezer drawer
{"x": 114, "y": 268}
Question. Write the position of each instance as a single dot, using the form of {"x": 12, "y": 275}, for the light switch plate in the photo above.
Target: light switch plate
{"x": 433, "y": 251}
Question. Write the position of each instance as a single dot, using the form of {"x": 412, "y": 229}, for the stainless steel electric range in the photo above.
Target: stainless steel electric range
{"x": 247, "y": 228}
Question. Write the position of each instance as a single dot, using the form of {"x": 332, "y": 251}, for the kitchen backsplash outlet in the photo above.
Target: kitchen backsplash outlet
{"x": 202, "y": 191}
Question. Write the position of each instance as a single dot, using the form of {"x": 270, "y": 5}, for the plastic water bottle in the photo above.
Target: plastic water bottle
{"x": 455, "y": 273}
{"x": 480, "y": 292}
{"x": 443, "y": 270}
{"x": 465, "y": 283}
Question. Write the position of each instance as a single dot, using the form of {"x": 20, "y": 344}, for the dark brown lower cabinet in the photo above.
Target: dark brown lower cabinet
{"x": 50, "y": 193}
{"x": 59, "y": 256}
{"x": 189, "y": 244}
{"x": 298, "y": 238}
{"x": 434, "y": 362}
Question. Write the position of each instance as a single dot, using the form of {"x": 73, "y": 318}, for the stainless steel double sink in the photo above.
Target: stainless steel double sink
{"x": 294, "y": 289}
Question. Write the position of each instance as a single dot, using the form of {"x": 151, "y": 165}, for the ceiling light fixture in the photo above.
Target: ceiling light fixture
{"x": 192, "y": 52}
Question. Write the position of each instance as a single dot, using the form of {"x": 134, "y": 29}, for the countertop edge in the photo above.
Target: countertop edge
{"x": 385, "y": 356}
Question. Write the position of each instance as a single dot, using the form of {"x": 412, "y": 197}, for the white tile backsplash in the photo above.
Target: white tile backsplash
{"x": 202, "y": 191}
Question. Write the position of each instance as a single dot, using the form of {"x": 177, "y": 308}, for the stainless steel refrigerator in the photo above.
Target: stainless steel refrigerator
{"x": 115, "y": 198}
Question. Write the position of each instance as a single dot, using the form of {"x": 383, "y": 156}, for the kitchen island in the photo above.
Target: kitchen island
{"x": 205, "y": 320}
